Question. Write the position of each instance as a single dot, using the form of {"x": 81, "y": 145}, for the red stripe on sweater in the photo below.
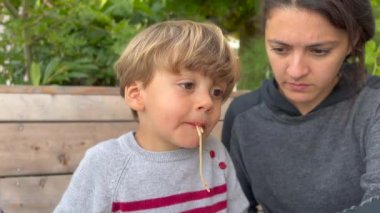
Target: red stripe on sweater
{"x": 167, "y": 201}
{"x": 209, "y": 209}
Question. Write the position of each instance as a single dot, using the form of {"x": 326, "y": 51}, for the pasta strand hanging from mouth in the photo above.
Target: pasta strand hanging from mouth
{"x": 200, "y": 131}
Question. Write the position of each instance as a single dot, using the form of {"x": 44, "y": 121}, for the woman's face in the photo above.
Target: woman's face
{"x": 305, "y": 52}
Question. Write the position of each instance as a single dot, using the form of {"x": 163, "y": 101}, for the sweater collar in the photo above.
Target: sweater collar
{"x": 279, "y": 104}
{"x": 130, "y": 142}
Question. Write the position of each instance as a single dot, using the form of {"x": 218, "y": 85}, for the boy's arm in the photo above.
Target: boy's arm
{"x": 89, "y": 189}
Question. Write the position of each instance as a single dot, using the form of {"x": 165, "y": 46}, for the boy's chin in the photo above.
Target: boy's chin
{"x": 190, "y": 145}
{"x": 189, "y": 141}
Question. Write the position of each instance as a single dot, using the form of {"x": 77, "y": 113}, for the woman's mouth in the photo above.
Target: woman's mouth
{"x": 298, "y": 87}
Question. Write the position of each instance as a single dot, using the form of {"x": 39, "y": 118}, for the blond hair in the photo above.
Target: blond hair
{"x": 177, "y": 45}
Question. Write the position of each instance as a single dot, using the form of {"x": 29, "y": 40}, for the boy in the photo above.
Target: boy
{"x": 174, "y": 76}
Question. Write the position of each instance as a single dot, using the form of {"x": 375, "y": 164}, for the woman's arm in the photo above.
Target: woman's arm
{"x": 370, "y": 180}
{"x": 237, "y": 202}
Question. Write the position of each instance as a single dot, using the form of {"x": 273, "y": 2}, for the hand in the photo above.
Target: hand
{"x": 370, "y": 206}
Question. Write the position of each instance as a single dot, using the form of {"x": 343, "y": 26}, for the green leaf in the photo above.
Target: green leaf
{"x": 377, "y": 25}
{"x": 102, "y": 3}
{"x": 35, "y": 74}
{"x": 78, "y": 75}
{"x": 51, "y": 68}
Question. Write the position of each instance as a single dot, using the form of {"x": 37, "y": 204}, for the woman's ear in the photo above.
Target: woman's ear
{"x": 133, "y": 96}
{"x": 352, "y": 45}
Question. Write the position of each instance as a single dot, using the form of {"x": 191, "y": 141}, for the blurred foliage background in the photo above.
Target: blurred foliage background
{"x": 76, "y": 42}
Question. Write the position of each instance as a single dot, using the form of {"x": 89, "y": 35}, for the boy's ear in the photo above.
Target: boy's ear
{"x": 133, "y": 96}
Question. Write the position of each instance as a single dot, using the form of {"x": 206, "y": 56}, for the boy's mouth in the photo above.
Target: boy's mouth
{"x": 199, "y": 124}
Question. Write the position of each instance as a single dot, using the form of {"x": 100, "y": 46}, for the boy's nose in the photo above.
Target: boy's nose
{"x": 204, "y": 101}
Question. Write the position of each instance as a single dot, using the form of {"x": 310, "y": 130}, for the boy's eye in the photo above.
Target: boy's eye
{"x": 217, "y": 92}
{"x": 187, "y": 85}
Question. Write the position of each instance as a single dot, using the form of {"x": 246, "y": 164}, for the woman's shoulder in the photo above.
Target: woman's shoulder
{"x": 373, "y": 82}
{"x": 371, "y": 90}
{"x": 368, "y": 100}
{"x": 245, "y": 101}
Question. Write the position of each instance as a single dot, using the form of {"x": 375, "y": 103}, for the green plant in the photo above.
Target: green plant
{"x": 372, "y": 48}
{"x": 94, "y": 32}
{"x": 372, "y": 57}
{"x": 58, "y": 72}
{"x": 254, "y": 64}
{"x": 76, "y": 42}
{"x": 69, "y": 42}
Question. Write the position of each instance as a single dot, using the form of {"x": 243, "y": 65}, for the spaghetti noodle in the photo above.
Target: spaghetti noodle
{"x": 200, "y": 131}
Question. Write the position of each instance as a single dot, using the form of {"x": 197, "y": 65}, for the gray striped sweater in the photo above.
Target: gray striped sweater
{"x": 119, "y": 176}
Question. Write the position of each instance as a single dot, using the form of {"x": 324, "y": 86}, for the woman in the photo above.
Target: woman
{"x": 309, "y": 140}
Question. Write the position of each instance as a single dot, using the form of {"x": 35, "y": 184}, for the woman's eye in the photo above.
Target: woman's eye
{"x": 187, "y": 85}
{"x": 320, "y": 52}
{"x": 279, "y": 50}
{"x": 217, "y": 92}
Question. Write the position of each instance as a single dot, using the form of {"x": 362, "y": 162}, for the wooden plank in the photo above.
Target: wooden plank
{"x": 45, "y": 107}
{"x": 50, "y": 148}
{"x": 53, "y": 148}
{"x": 72, "y": 90}
{"x": 32, "y": 194}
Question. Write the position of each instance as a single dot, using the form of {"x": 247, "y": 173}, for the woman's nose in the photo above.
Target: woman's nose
{"x": 297, "y": 67}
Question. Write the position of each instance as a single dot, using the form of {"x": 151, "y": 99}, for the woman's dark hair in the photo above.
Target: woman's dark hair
{"x": 353, "y": 16}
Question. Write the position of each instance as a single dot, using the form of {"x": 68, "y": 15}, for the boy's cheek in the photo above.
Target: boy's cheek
{"x": 212, "y": 127}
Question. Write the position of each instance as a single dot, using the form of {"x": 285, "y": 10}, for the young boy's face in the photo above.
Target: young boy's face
{"x": 174, "y": 104}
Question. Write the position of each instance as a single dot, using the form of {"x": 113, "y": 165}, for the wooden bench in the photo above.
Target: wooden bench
{"x": 44, "y": 132}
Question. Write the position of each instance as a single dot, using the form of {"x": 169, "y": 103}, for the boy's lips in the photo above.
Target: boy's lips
{"x": 200, "y": 124}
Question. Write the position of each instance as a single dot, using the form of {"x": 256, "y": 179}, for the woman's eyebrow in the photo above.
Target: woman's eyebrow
{"x": 316, "y": 44}
{"x": 279, "y": 42}
{"x": 324, "y": 43}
